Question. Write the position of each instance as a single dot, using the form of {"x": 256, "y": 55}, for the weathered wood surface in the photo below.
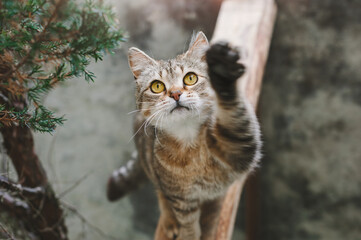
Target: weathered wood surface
{"x": 247, "y": 24}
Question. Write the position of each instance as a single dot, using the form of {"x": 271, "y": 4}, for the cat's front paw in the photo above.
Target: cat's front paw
{"x": 223, "y": 67}
{"x": 167, "y": 229}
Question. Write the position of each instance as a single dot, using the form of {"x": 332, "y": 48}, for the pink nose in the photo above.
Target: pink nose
{"x": 175, "y": 94}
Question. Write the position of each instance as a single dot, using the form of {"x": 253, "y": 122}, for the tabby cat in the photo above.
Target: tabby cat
{"x": 195, "y": 135}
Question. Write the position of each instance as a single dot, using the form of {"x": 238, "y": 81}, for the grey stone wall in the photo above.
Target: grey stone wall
{"x": 311, "y": 119}
{"x": 310, "y": 110}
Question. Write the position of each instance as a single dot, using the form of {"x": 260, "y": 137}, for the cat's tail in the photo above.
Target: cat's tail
{"x": 125, "y": 179}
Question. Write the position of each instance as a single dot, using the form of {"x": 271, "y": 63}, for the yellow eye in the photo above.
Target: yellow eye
{"x": 157, "y": 86}
{"x": 190, "y": 79}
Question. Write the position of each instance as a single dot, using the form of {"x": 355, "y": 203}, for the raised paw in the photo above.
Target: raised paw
{"x": 223, "y": 66}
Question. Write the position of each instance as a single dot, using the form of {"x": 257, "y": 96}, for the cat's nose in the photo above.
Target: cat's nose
{"x": 175, "y": 94}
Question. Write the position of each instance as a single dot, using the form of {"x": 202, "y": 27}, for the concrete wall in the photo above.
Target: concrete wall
{"x": 310, "y": 113}
{"x": 311, "y": 119}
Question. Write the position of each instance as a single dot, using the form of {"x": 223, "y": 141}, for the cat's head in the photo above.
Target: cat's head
{"x": 174, "y": 93}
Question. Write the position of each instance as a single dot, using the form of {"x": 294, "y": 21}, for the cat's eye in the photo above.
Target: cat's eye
{"x": 190, "y": 79}
{"x": 157, "y": 86}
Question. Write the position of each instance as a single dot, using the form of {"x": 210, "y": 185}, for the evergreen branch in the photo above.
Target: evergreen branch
{"x": 48, "y": 33}
{"x": 38, "y": 38}
{"x": 41, "y": 119}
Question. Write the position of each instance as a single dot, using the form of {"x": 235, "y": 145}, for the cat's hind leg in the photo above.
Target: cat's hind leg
{"x": 125, "y": 179}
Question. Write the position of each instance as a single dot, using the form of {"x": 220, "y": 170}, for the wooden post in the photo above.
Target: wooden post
{"x": 249, "y": 25}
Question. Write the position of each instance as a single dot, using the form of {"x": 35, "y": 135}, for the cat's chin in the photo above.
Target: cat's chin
{"x": 179, "y": 109}
{"x": 183, "y": 124}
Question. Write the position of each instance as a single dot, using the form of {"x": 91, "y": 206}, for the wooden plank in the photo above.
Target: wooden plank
{"x": 247, "y": 24}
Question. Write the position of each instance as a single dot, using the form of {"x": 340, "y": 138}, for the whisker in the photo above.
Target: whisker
{"x": 158, "y": 109}
{"x": 199, "y": 113}
{"x": 151, "y": 108}
{"x": 161, "y": 122}
{"x": 134, "y": 111}
{"x": 137, "y": 131}
{"x": 152, "y": 102}
{"x": 147, "y": 120}
{"x": 156, "y": 128}
{"x": 151, "y": 119}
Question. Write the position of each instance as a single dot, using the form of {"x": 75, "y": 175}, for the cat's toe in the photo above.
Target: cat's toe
{"x": 168, "y": 229}
{"x": 172, "y": 232}
{"x": 222, "y": 51}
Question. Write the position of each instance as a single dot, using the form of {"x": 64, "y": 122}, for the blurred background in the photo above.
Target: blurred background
{"x": 309, "y": 184}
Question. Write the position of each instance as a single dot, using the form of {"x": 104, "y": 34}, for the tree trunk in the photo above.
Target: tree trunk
{"x": 44, "y": 215}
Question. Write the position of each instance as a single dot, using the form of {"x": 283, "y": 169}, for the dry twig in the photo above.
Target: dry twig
{"x": 6, "y": 232}
{"x": 85, "y": 221}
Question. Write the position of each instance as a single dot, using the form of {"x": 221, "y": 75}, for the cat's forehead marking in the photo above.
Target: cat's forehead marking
{"x": 170, "y": 70}
{"x": 163, "y": 73}
{"x": 179, "y": 69}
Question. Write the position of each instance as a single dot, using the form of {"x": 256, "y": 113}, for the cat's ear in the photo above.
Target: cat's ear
{"x": 138, "y": 61}
{"x": 198, "y": 45}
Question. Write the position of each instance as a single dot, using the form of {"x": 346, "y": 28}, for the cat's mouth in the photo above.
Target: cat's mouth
{"x": 179, "y": 108}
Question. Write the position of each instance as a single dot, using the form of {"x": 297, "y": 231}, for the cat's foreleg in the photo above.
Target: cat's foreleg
{"x": 210, "y": 217}
{"x": 179, "y": 219}
{"x": 234, "y": 135}
{"x": 168, "y": 226}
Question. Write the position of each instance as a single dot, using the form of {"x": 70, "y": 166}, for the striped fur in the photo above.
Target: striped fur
{"x": 193, "y": 154}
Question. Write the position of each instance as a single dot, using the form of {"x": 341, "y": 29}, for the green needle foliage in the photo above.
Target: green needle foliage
{"x": 44, "y": 43}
